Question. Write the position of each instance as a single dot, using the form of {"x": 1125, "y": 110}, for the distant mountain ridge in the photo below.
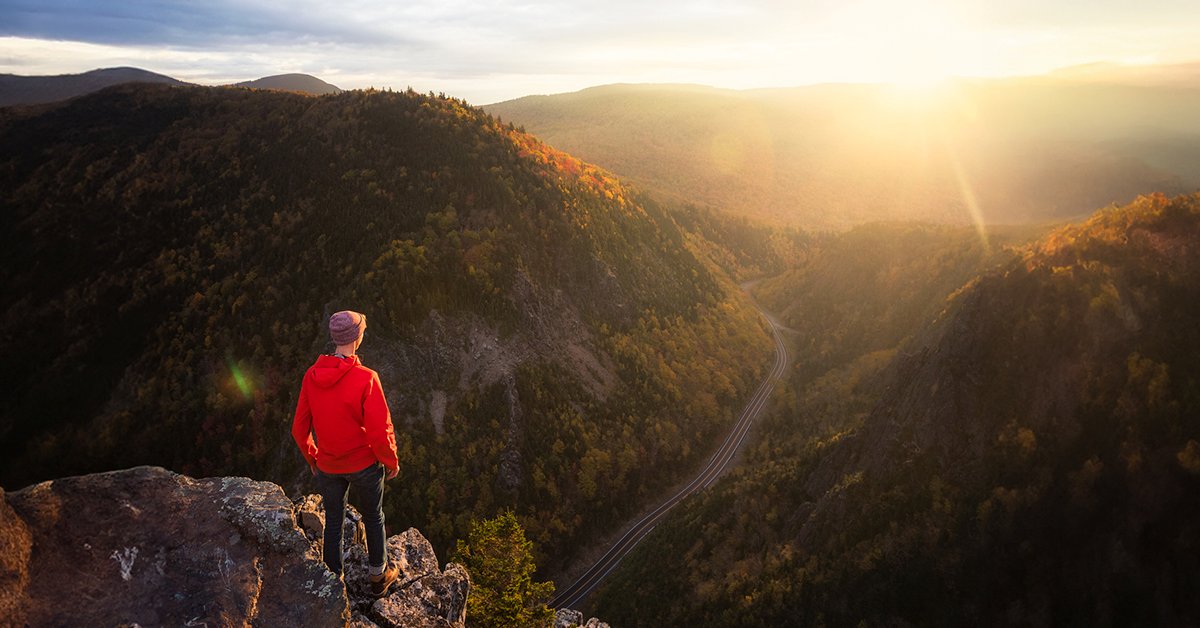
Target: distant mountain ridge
{"x": 32, "y": 90}
{"x": 1180, "y": 74}
{"x": 834, "y": 156}
{"x": 304, "y": 83}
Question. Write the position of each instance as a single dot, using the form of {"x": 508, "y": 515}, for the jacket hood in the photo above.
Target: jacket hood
{"x": 329, "y": 370}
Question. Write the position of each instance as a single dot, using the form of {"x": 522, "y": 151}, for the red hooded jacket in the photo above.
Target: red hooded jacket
{"x": 342, "y": 402}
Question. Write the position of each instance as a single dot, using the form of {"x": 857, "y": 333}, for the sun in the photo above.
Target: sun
{"x": 917, "y": 68}
{"x": 915, "y": 46}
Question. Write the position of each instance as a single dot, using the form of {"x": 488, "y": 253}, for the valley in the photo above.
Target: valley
{"x": 813, "y": 356}
{"x": 1025, "y": 457}
{"x": 576, "y": 594}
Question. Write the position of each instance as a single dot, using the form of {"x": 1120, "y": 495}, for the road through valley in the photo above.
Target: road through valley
{"x": 573, "y": 595}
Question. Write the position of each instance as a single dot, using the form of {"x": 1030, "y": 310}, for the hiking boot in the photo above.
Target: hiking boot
{"x": 381, "y": 583}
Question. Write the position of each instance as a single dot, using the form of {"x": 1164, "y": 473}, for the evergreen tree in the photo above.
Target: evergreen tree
{"x": 500, "y": 561}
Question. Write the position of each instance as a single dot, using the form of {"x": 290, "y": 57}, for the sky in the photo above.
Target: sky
{"x": 488, "y": 51}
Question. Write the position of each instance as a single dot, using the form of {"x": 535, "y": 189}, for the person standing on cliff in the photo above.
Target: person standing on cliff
{"x": 342, "y": 402}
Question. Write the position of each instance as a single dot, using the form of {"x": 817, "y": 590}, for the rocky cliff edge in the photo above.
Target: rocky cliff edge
{"x": 148, "y": 547}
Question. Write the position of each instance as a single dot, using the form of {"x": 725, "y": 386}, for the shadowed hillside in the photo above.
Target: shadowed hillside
{"x": 1031, "y": 458}
{"x": 547, "y": 341}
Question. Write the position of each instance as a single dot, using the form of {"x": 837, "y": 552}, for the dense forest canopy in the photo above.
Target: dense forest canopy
{"x": 1028, "y": 458}
{"x": 550, "y": 341}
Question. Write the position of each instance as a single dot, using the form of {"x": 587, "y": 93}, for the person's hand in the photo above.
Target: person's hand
{"x": 391, "y": 473}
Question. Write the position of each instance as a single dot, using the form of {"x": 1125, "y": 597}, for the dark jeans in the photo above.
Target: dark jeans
{"x": 368, "y": 499}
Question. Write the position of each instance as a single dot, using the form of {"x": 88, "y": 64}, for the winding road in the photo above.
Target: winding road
{"x": 721, "y": 461}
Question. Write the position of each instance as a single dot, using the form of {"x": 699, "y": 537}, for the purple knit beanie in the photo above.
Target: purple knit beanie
{"x": 346, "y": 326}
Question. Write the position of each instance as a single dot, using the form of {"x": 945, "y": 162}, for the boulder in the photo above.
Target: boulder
{"x": 571, "y": 618}
{"x": 150, "y": 547}
{"x": 147, "y": 547}
{"x": 567, "y": 618}
{"x": 310, "y": 515}
{"x": 423, "y": 595}
{"x": 433, "y": 601}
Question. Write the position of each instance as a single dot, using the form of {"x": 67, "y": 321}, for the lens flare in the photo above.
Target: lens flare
{"x": 965, "y": 110}
{"x": 968, "y": 196}
{"x": 241, "y": 380}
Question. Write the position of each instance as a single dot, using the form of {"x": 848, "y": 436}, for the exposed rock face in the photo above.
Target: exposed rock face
{"x": 150, "y": 547}
{"x": 310, "y": 515}
{"x": 15, "y": 548}
{"x": 423, "y": 596}
{"x": 435, "y": 601}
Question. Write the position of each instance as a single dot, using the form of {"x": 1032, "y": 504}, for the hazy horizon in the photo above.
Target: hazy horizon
{"x": 1100, "y": 71}
{"x": 489, "y": 53}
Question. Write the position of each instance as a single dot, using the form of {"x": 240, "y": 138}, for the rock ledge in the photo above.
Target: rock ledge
{"x": 148, "y": 547}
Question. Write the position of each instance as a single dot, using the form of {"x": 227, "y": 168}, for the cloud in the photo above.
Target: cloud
{"x": 212, "y": 23}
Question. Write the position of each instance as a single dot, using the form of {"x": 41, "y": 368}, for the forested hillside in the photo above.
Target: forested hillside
{"x": 1030, "y": 458}
{"x": 742, "y": 248}
{"x": 547, "y": 340}
{"x": 834, "y": 156}
{"x": 860, "y": 296}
